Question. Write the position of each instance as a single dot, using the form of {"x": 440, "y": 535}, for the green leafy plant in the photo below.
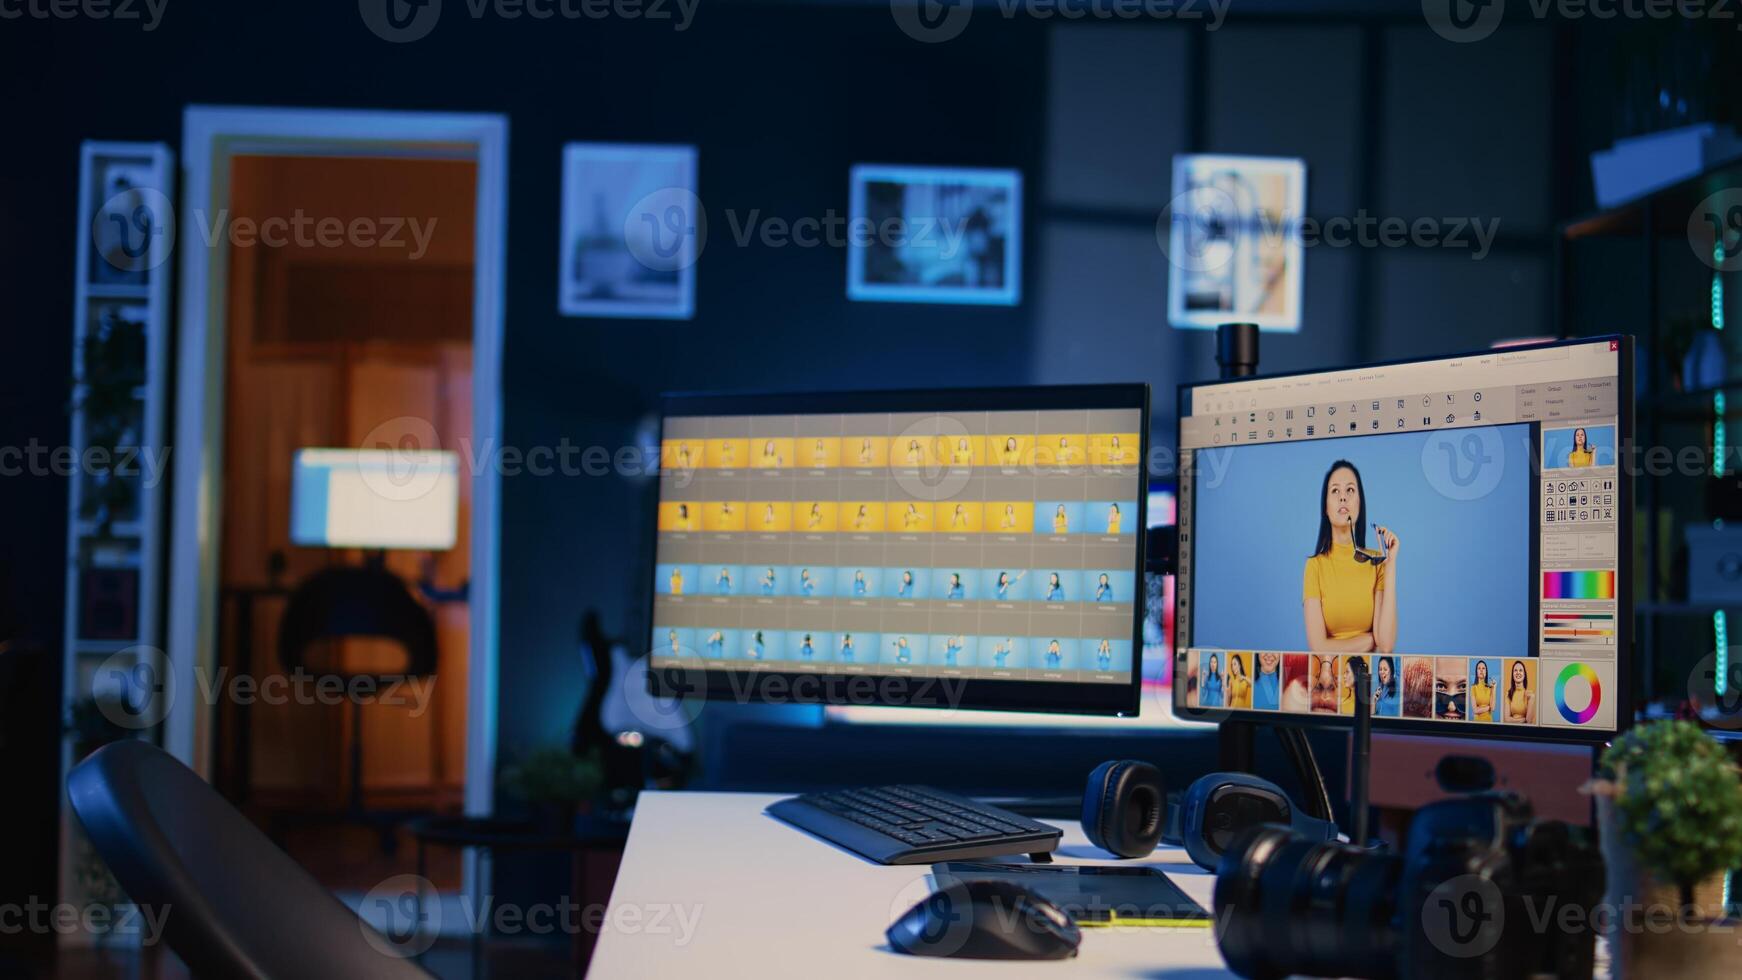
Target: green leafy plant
{"x": 1679, "y": 799}
{"x": 554, "y": 775}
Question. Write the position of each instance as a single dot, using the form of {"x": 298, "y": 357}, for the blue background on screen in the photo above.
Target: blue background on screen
{"x": 864, "y": 647}
{"x": 921, "y": 583}
{"x": 1556, "y": 443}
{"x": 1017, "y": 645}
{"x": 1123, "y": 584}
{"x": 1017, "y": 590}
{"x": 1464, "y": 577}
{"x": 1039, "y": 583}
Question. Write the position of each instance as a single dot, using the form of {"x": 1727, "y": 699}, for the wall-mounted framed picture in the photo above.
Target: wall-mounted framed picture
{"x": 1233, "y": 241}
{"x": 935, "y": 235}
{"x": 632, "y": 230}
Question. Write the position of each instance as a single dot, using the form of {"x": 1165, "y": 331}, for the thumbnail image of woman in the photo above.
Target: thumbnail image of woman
{"x": 767, "y": 515}
{"x": 770, "y": 456}
{"x": 1520, "y": 699}
{"x": 1064, "y": 456}
{"x": 819, "y": 454}
{"x": 1418, "y": 687}
{"x": 677, "y": 581}
{"x": 952, "y": 648}
{"x": 1104, "y": 658}
{"x": 683, "y": 455}
{"x": 915, "y": 455}
{"x": 1104, "y": 589}
{"x": 1113, "y": 518}
{"x": 1060, "y": 523}
{"x": 1481, "y": 693}
{"x": 955, "y": 590}
{"x": 861, "y": 518}
{"x": 684, "y": 523}
{"x": 1324, "y": 686}
{"x": 723, "y": 582}
{"x": 806, "y": 584}
{"x": 1348, "y": 591}
{"x": 1055, "y": 588}
{"x": 1001, "y": 652}
{"x": 1054, "y": 655}
{"x": 716, "y": 644}
{"x": 754, "y": 651}
{"x": 905, "y": 589}
{"x": 1581, "y": 453}
{"x": 911, "y": 518}
{"x": 806, "y": 650}
{"x": 1008, "y": 521}
{"x": 859, "y": 586}
{"x": 865, "y": 453}
{"x": 1451, "y": 689}
{"x": 1239, "y": 685}
{"x": 1386, "y": 701}
{"x": 1267, "y": 686}
{"x": 963, "y": 454}
{"x": 1005, "y": 581}
{"x": 959, "y": 517}
{"x": 903, "y": 652}
{"x": 769, "y": 582}
{"x": 815, "y": 519}
{"x": 1346, "y": 687}
{"x": 847, "y": 650}
{"x": 1210, "y": 686}
{"x": 671, "y": 640}
{"x": 1011, "y": 455}
{"x": 728, "y": 453}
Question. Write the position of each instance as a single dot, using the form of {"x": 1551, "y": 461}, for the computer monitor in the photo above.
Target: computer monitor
{"x": 948, "y": 549}
{"x": 1462, "y": 523}
{"x": 375, "y": 499}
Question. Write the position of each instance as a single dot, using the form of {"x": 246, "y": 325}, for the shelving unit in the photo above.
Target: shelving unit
{"x": 112, "y": 634}
{"x": 1658, "y": 224}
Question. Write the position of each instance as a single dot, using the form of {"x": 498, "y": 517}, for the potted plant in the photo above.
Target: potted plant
{"x": 1670, "y": 815}
{"x": 555, "y": 782}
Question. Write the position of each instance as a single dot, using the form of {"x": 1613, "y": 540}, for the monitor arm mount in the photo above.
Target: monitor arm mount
{"x": 1237, "y": 355}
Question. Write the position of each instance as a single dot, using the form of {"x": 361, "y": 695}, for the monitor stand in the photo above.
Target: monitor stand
{"x": 1237, "y": 357}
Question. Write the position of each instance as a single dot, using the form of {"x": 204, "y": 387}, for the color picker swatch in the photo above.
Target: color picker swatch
{"x": 1596, "y": 584}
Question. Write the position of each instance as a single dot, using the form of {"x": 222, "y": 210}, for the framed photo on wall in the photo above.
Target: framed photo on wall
{"x": 632, "y": 230}
{"x": 1233, "y": 241}
{"x": 935, "y": 235}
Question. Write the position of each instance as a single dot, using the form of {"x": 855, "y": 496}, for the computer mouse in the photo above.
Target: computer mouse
{"x": 985, "y": 920}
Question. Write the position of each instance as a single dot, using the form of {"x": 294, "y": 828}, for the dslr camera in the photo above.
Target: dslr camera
{"x": 1481, "y": 890}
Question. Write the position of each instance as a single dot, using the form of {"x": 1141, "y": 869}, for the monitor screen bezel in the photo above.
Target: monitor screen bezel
{"x": 777, "y": 686}
{"x": 1624, "y": 680}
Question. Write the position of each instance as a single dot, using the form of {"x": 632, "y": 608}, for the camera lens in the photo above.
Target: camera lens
{"x": 1289, "y": 905}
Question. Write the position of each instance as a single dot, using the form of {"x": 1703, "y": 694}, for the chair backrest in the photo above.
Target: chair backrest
{"x": 233, "y": 905}
{"x": 356, "y": 600}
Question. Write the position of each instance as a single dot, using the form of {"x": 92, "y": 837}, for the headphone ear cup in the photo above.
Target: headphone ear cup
{"x": 1124, "y": 807}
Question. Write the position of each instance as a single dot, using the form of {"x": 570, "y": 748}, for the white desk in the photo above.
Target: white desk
{"x": 710, "y": 886}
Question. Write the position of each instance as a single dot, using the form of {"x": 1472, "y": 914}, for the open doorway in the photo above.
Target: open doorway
{"x": 349, "y": 327}
{"x": 340, "y": 289}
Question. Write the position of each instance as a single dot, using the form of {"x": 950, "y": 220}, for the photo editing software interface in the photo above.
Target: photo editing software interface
{"x": 1455, "y": 523}
{"x": 985, "y": 545}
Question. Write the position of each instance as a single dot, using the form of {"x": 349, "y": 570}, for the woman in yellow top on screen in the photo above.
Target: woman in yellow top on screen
{"x": 683, "y": 518}
{"x": 1113, "y": 518}
{"x": 1009, "y": 520}
{"x": 1011, "y": 455}
{"x": 1239, "y": 685}
{"x": 865, "y": 451}
{"x": 911, "y": 518}
{"x": 963, "y": 454}
{"x": 1581, "y": 453}
{"x": 915, "y": 455}
{"x": 1348, "y": 591}
{"x": 1482, "y": 694}
{"x": 1520, "y": 699}
{"x": 1060, "y": 523}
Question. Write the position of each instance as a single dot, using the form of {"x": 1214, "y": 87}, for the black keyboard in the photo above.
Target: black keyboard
{"x": 914, "y": 825}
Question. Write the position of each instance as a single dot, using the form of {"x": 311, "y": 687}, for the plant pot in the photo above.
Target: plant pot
{"x": 1642, "y": 917}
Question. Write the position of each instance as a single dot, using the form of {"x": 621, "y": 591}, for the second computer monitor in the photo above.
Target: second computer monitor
{"x": 1460, "y": 524}
{"x": 971, "y": 548}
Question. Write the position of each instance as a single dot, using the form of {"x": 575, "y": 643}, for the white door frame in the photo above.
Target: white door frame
{"x": 211, "y": 135}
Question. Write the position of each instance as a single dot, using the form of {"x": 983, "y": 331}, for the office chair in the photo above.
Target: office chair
{"x": 237, "y": 906}
{"x": 358, "y": 601}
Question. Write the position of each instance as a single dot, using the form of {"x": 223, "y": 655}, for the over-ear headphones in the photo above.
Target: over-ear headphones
{"x": 1217, "y": 807}
{"x": 1124, "y": 807}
